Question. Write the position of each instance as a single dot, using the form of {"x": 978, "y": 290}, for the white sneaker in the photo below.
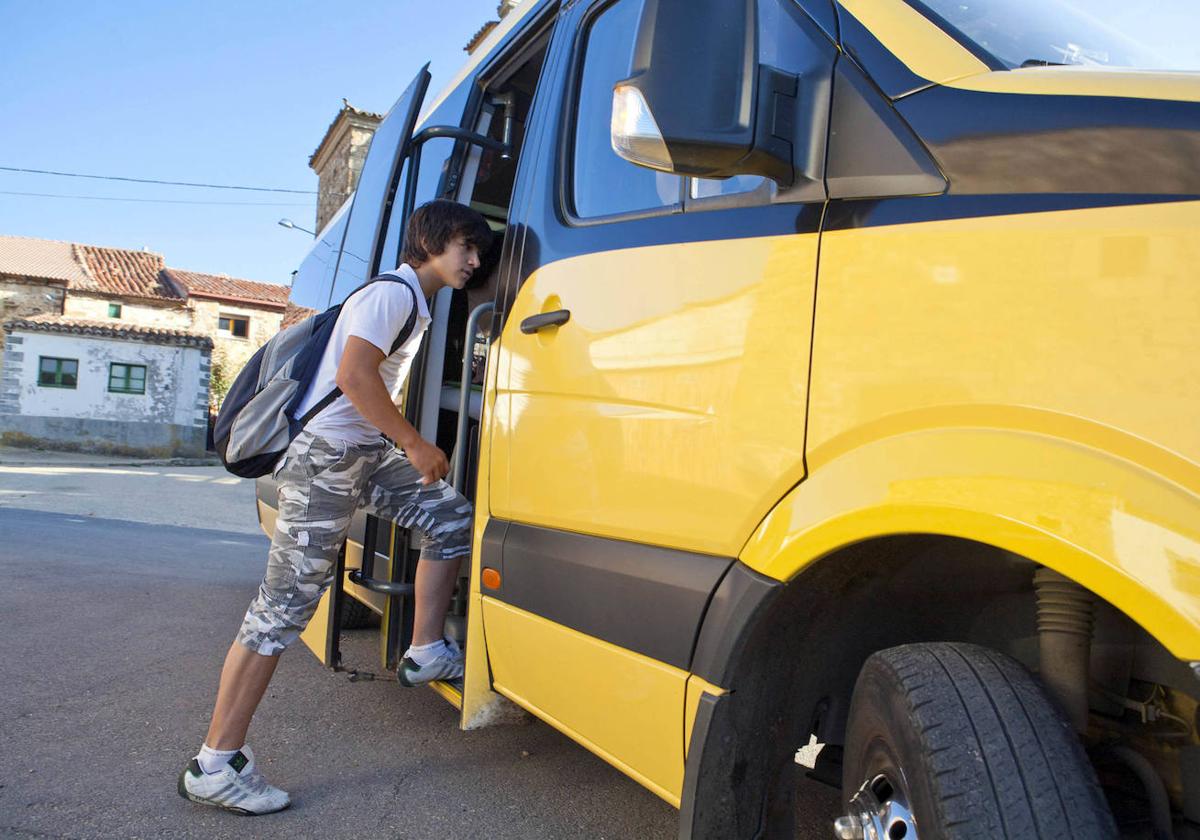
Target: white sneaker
{"x": 237, "y": 786}
{"x": 448, "y": 666}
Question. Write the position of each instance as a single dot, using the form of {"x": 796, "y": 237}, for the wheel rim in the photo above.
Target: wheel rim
{"x": 878, "y": 811}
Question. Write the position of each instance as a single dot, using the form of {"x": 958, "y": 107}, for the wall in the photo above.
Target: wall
{"x": 232, "y": 352}
{"x": 169, "y": 419}
{"x": 200, "y": 315}
{"x": 177, "y": 317}
{"x": 20, "y": 298}
{"x": 340, "y": 170}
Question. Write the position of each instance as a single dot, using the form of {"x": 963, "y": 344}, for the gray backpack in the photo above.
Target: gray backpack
{"x": 257, "y": 420}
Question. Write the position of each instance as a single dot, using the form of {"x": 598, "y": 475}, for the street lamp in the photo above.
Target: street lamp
{"x": 288, "y": 223}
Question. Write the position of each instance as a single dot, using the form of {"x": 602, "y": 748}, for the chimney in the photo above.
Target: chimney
{"x": 339, "y": 157}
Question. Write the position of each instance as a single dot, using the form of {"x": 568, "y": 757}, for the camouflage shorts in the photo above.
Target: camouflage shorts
{"x": 322, "y": 482}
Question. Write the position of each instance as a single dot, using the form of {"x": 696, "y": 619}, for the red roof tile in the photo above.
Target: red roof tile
{"x": 478, "y": 37}
{"x": 294, "y": 314}
{"x": 109, "y": 329}
{"x": 116, "y": 271}
{"x": 41, "y": 259}
{"x": 222, "y": 287}
{"x": 128, "y": 274}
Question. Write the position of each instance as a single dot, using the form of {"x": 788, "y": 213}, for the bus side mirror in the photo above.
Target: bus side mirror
{"x": 698, "y": 102}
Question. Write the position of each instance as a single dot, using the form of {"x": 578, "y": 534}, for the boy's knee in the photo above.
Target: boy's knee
{"x": 277, "y": 617}
{"x": 456, "y": 530}
{"x": 265, "y": 631}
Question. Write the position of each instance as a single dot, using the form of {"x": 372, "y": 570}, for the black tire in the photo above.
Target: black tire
{"x": 967, "y": 740}
{"x": 355, "y": 614}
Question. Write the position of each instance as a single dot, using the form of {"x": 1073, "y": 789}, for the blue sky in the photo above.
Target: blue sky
{"x": 216, "y": 92}
{"x": 239, "y": 93}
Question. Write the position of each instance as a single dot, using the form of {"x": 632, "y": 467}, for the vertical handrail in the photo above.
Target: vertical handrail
{"x": 464, "y": 398}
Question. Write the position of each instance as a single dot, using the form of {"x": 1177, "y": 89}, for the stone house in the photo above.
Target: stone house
{"x": 105, "y": 386}
{"x": 132, "y": 287}
{"x": 70, "y": 310}
{"x": 34, "y": 275}
{"x": 338, "y": 160}
{"x": 239, "y": 316}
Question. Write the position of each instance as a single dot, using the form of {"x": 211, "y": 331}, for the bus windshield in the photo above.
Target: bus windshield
{"x": 1105, "y": 33}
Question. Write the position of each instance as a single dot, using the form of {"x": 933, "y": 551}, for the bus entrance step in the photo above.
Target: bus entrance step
{"x": 382, "y": 586}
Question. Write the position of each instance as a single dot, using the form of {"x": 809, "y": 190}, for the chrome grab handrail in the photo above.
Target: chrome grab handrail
{"x": 464, "y": 398}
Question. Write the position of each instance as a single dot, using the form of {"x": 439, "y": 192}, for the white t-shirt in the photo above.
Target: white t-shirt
{"x": 376, "y": 314}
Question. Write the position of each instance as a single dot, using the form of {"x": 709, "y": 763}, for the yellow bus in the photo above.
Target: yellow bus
{"x": 835, "y": 381}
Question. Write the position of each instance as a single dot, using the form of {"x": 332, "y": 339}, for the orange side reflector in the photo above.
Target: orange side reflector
{"x": 491, "y": 578}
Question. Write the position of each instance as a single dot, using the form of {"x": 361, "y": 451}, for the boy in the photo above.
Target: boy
{"x": 337, "y": 463}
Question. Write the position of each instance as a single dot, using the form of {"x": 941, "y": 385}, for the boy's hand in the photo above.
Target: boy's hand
{"x": 430, "y": 461}
{"x": 358, "y": 377}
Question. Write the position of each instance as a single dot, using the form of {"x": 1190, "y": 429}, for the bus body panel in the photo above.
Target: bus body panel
{"x": 763, "y": 386}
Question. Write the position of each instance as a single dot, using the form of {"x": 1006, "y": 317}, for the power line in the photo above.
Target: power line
{"x": 159, "y": 200}
{"x": 152, "y": 181}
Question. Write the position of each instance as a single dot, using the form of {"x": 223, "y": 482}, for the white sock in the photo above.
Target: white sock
{"x": 424, "y": 654}
{"x": 213, "y": 760}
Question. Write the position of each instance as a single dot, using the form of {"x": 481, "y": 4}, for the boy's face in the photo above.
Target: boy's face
{"x": 455, "y": 265}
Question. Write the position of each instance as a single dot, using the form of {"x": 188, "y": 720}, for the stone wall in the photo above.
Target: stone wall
{"x": 177, "y": 317}
{"x": 230, "y": 353}
{"x": 22, "y": 298}
{"x": 334, "y": 183}
{"x": 339, "y": 165}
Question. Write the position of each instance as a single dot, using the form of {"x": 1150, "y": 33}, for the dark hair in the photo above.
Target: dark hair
{"x": 436, "y": 224}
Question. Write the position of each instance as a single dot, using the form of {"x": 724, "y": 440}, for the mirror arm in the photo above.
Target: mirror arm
{"x": 776, "y": 129}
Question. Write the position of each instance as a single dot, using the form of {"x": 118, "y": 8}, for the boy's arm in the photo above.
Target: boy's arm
{"x": 358, "y": 377}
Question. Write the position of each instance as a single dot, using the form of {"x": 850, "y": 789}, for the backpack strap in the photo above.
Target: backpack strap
{"x": 409, "y": 323}
{"x": 403, "y": 336}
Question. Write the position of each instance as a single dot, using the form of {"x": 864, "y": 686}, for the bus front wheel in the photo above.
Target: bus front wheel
{"x": 951, "y": 740}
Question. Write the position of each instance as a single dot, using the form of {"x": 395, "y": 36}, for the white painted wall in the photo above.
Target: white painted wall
{"x": 173, "y": 376}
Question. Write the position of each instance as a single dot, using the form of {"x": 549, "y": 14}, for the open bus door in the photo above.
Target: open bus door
{"x": 378, "y": 565}
{"x": 477, "y": 129}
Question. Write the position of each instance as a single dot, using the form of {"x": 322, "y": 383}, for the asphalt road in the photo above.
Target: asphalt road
{"x": 112, "y": 638}
{"x": 161, "y": 495}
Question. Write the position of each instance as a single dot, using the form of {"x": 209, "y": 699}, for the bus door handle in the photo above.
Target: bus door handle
{"x": 546, "y": 319}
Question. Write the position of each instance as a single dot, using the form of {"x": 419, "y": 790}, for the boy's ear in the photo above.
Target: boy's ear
{"x": 430, "y": 250}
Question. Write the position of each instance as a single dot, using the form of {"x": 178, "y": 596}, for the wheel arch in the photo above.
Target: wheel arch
{"x": 867, "y": 554}
{"x": 1120, "y": 518}
{"x": 787, "y": 655}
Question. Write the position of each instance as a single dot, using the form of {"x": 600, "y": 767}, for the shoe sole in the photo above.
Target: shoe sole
{"x": 402, "y": 678}
{"x": 233, "y": 809}
{"x": 407, "y": 683}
